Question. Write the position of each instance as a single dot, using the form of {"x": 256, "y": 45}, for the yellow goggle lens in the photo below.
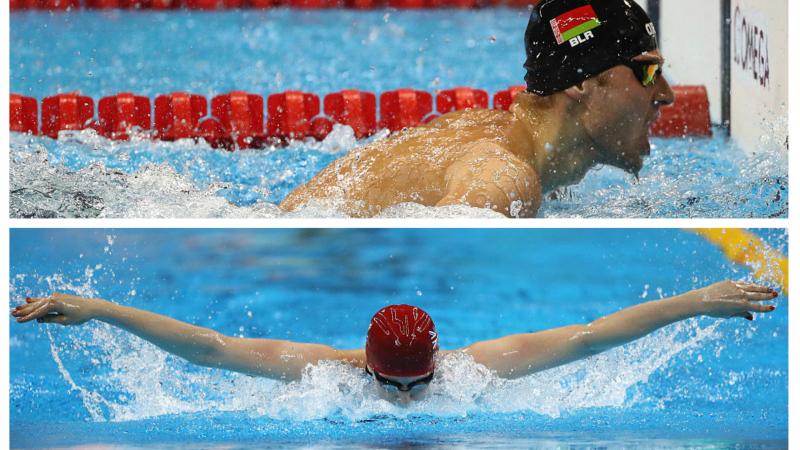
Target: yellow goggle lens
{"x": 650, "y": 74}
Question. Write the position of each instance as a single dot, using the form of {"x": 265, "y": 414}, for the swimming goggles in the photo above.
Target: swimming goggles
{"x": 646, "y": 71}
{"x": 393, "y": 386}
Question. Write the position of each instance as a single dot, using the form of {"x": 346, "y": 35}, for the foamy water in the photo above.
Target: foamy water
{"x": 84, "y": 175}
{"x": 153, "y": 384}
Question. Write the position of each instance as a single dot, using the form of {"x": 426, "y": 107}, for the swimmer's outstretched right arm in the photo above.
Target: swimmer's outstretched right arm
{"x": 283, "y": 360}
{"x": 522, "y": 354}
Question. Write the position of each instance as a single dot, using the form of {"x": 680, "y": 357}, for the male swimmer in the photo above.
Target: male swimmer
{"x": 594, "y": 86}
{"x": 401, "y": 339}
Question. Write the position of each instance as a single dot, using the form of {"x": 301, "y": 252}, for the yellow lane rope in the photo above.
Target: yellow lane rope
{"x": 745, "y": 248}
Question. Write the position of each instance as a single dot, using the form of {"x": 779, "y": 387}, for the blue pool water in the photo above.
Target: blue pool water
{"x": 150, "y": 53}
{"x": 700, "y": 384}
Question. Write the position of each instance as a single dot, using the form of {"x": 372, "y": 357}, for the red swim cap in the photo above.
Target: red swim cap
{"x": 401, "y": 342}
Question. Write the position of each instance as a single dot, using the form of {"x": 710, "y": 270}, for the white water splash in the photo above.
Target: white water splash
{"x": 41, "y": 189}
{"x": 156, "y": 190}
{"x": 134, "y": 380}
{"x": 604, "y": 380}
{"x": 678, "y": 181}
{"x": 417, "y": 211}
{"x": 339, "y": 139}
{"x": 92, "y": 401}
{"x": 685, "y": 178}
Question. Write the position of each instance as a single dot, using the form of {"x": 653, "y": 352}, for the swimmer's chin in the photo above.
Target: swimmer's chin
{"x": 635, "y": 164}
{"x": 635, "y": 169}
{"x": 630, "y": 165}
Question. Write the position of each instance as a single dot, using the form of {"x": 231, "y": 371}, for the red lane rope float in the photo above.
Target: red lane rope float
{"x": 178, "y": 115}
{"x": 215, "y": 5}
{"x": 240, "y": 118}
{"x": 403, "y": 108}
{"x": 290, "y": 114}
{"x": 50, "y": 5}
{"x": 24, "y": 114}
{"x": 353, "y": 108}
{"x": 504, "y": 99}
{"x": 461, "y": 98}
{"x": 66, "y": 112}
{"x": 236, "y": 119}
{"x": 119, "y": 113}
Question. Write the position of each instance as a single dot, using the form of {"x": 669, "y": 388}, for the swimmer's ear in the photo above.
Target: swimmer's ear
{"x": 578, "y": 92}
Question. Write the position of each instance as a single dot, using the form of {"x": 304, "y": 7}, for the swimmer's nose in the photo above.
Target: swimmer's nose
{"x": 664, "y": 94}
{"x": 404, "y": 397}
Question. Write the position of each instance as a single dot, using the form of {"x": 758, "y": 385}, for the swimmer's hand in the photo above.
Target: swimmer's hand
{"x": 59, "y": 308}
{"x": 728, "y": 299}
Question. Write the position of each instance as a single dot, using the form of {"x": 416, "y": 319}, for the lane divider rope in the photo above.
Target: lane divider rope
{"x": 237, "y": 119}
{"x": 745, "y": 248}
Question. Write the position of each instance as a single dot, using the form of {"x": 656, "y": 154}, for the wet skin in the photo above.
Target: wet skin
{"x": 502, "y": 160}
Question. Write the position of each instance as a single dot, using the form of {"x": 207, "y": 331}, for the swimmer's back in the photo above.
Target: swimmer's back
{"x": 408, "y": 166}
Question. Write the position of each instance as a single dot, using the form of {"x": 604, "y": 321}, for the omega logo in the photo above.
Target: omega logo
{"x": 751, "y": 48}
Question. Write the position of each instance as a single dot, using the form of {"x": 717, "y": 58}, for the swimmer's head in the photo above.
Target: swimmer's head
{"x": 401, "y": 343}
{"x": 568, "y": 41}
{"x": 603, "y": 54}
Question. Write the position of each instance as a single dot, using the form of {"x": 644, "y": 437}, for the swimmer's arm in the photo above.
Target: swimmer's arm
{"x": 522, "y": 354}
{"x": 188, "y": 341}
{"x": 276, "y": 359}
{"x": 491, "y": 177}
{"x": 202, "y": 346}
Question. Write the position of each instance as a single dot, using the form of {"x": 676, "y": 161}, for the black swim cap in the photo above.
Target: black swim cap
{"x": 568, "y": 41}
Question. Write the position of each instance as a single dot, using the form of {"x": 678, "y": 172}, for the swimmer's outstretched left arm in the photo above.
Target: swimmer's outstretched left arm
{"x": 271, "y": 358}
{"x": 522, "y": 354}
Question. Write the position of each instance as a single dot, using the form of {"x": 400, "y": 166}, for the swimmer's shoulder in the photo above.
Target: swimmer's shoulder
{"x": 514, "y": 180}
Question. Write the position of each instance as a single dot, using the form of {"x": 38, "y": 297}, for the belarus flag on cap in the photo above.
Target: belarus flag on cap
{"x": 574, "y": 23}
